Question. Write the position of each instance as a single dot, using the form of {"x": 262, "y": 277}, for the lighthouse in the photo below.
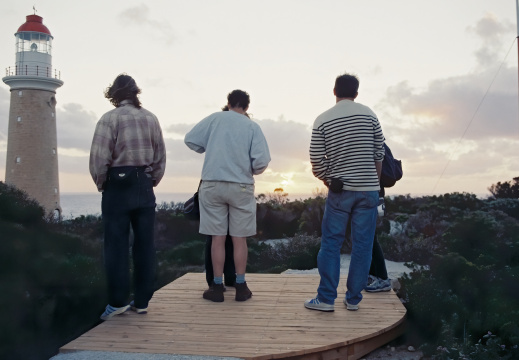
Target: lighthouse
{"x": 32, "y": 146}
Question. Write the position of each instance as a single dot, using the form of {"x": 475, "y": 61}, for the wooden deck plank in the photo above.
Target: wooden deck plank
{"x": 273, "y": 324}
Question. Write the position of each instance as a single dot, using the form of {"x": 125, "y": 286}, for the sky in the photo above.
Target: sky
{"x": 440, "y": 75}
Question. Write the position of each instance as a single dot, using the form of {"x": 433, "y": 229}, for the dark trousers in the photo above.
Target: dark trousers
{"x": 229, "y": 271}
{"x": 378, "y": 263}
{"x": 128, "y": 200}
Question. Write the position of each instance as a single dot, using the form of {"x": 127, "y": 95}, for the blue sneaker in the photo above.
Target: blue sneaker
{"x": 137, "y": 310}
{"x": 371, "y": 278}
{"x": 112, "y": 311}
{"x": 378, "y": 285}
{"x": 316, "y": 304}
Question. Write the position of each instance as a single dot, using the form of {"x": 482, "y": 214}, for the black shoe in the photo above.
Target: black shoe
{"x": 214, "y": 293}
{"x": 242, "y": 292}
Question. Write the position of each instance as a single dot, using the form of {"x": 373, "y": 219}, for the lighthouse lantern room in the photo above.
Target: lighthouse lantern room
{"x": 33, "y": 47}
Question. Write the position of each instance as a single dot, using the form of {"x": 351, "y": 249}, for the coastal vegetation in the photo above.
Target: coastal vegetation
{"x": 461, "y": 295}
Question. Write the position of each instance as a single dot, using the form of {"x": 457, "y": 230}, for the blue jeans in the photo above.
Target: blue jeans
{"x": 129, "y": 201}
{"x": 361, "y": 207}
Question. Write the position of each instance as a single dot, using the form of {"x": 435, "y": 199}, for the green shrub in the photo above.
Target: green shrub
{"x": 508, "y": 206}
{"x": 467, "y": 291}
{"x": 298, "y": 252}
{"x": 188, "y": 253}
{"x": 312, "y": 215}
{"x": 17, "y": 207}
{"x": 46, "y": 280}
{"x": 507, "y": 189}
{"x": 401, "y": 204}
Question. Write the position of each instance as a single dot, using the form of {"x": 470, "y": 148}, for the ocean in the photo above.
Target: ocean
{"x": 77, "y": 204}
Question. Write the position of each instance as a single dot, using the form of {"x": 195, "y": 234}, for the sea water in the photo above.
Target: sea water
{"x": 77, "y": 204}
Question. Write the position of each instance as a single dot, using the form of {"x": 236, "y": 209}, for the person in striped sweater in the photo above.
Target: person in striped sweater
{"x": 346, "y": 153}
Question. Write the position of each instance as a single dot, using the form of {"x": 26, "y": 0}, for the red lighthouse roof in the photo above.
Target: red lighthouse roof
{"x": 34, "y": 23}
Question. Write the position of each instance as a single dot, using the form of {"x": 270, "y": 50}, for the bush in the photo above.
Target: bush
{"x": 467, "y": 291}
{"x": 53, "y": 284}
{"x": 401, "y": 204}
{"x": 507, "y": 189}
{"x": 17, "y": 207}
{"x": 187, "y": 253}
{"x": 46, "y": 279}
{"x": 298, "y": 252}
{"x": 508, "y": 206}
{"x": 312, "y": 215}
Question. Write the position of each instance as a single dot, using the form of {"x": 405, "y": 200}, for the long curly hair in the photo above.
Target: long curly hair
{"x": 123, "y": 88}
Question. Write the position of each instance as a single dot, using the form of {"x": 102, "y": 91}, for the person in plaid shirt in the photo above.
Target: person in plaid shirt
{"x": 127, "y": 159}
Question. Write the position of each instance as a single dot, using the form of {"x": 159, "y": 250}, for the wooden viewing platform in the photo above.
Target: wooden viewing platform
{"x": 274, "y": 324}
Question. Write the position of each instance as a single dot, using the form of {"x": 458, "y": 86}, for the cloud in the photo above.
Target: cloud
{"x": 180, "y": 160}
{"x": 73, "y": 164}
{"x": 75, "y": 127}
{"x": 447, "y": 106}
{"x": 140, "y": 15}
{"x": 466, "y": 125}
{"x": 490, "y": 30}
{"x": 179, "y": 129}
{"x": 287, "y": 139}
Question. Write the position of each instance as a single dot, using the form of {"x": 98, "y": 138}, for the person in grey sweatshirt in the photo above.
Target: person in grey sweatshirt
{"x": 235, "y": 150}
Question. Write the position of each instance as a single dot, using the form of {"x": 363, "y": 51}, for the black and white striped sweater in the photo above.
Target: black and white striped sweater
{"x": 346, "y": 141}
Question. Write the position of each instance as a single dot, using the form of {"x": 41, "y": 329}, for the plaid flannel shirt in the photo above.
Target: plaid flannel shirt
{"x": 127, "y": 136}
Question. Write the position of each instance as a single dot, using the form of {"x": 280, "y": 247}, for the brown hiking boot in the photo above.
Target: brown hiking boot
{"x": 242, "y": 292}
{"x": 214, "y": 293}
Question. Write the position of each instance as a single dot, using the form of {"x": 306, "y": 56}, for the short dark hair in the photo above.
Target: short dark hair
{"x": 346, "y": 86}
{"x": 238, "y": 98}
{"x": 123, "y": 88}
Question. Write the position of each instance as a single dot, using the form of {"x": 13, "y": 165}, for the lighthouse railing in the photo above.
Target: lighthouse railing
{"x": 33, "y": 70}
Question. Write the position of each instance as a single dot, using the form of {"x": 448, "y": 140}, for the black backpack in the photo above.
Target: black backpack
{"x": 391, "y": 169}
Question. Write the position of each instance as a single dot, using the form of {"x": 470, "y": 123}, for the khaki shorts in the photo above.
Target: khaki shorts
{"x": 227, "y": 206}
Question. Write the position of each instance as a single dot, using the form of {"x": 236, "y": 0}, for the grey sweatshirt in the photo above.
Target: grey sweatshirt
{"x": 234, "y": 145}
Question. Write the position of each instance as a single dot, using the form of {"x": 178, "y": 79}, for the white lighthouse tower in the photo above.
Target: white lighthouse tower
{"x": 32, "y": 146}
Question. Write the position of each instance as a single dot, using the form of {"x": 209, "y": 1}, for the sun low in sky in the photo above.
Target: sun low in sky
{"x": 441, "y": 76}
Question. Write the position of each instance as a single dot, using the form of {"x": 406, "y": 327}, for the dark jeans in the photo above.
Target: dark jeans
{"x": 229, "y": 271}
{"x": 128, "y": 200}
{"x": 378, "y": 263}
